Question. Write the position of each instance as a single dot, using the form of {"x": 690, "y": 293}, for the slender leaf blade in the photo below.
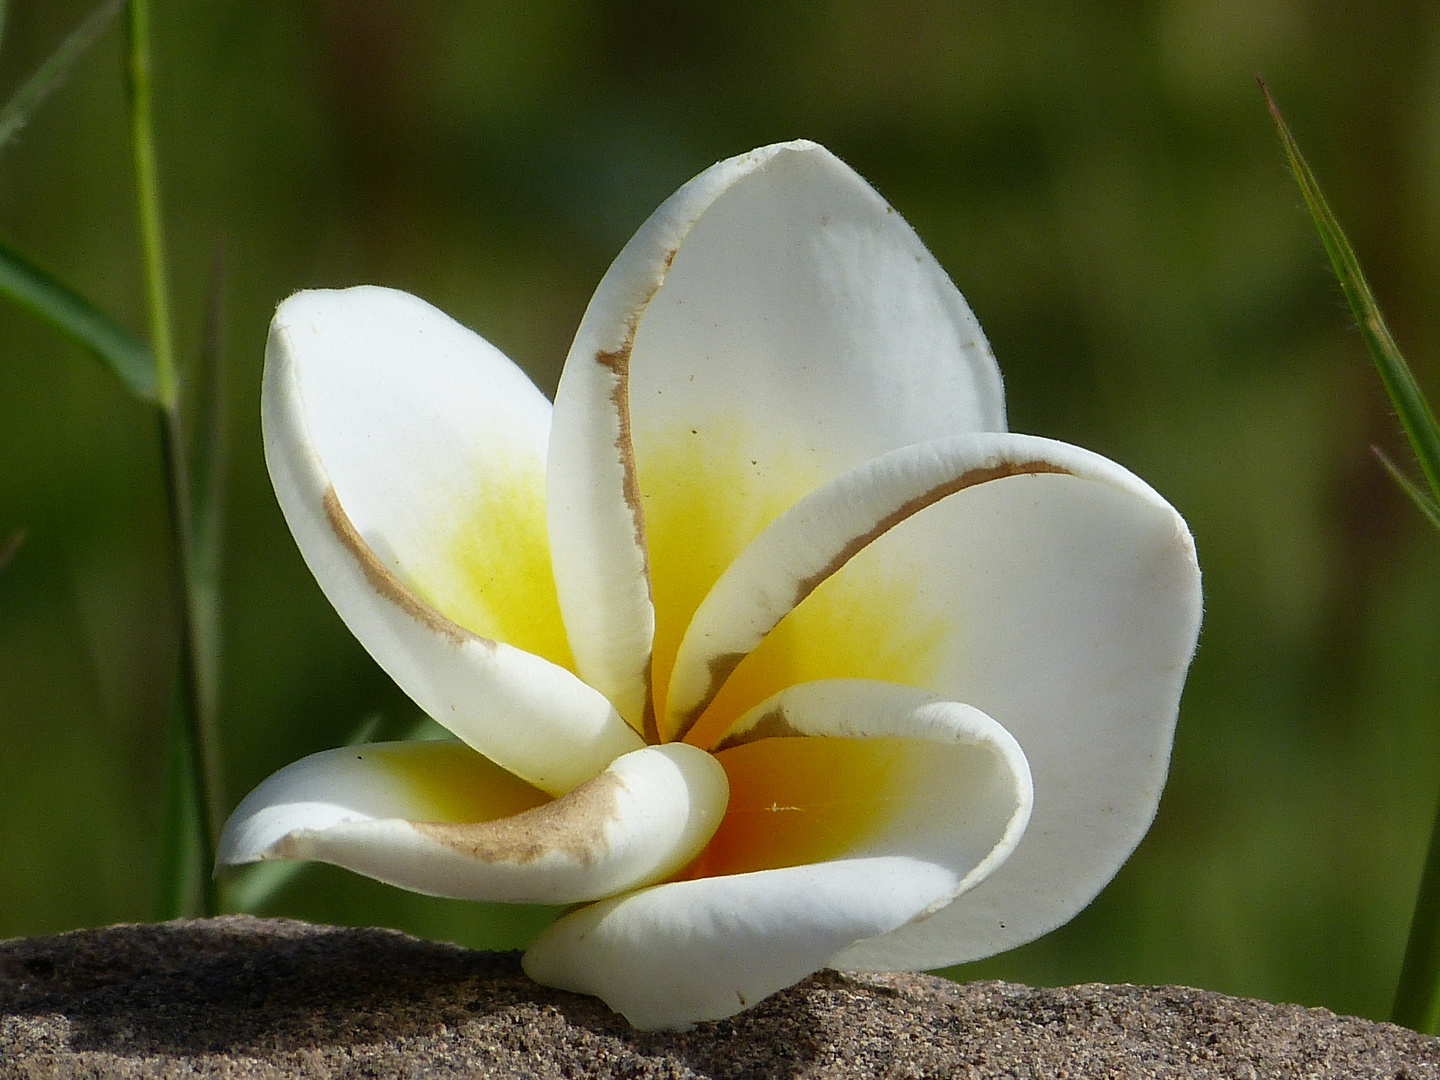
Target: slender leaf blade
{"x": 49, "y": 75}
{"x": 206, "y": 479}
{"x": 79, "y": 320}
{"x": 139, "y": 75}
{"x": 1428, "y": 506}
{"x": 180, "y": 866}
{"x": 1417, "y": 993}
{"x": 1414, "y": 411}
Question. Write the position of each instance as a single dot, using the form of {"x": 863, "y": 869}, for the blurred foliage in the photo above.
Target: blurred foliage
{"x": 1101, "y": 181}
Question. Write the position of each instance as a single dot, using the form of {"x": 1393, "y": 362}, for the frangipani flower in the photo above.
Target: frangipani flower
{"x": 767, "y": 643}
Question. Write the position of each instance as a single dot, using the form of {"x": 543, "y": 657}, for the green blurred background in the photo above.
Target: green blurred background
{"x": 1101, "y": 181}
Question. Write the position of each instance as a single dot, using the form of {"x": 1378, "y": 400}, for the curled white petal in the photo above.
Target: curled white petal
{"x": 702, "y": 949}
{"x": 1064, "y": 603}
{"x": 373, "y": 809}
{"x": 1078, "y": 607}
{"x": 676, "y": 954}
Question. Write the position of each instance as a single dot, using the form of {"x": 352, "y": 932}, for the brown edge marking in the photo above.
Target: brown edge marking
{"x": 573, "y": 825}
{"x": 384, "y": 580}
{"x": 617, "y": 362}
{"x": 650, "y": 727}
{"x": 723, "y": 665}
{"x": 773, "y": 725}
{"x": 969, "y": 478}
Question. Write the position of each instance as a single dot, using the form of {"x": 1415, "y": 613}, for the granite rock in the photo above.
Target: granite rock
{"x": 244, "y": 997}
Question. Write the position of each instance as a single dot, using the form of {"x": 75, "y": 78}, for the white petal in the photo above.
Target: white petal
{"x": 802, "y": 330}
{"x": 706, "y": 948}
{"x": 814, "y": 538}
{"x": 439, "y": 819}
{"x": 676, "y": 954}
{"x": 386, "y": 425}
{"x": 596, "y": 522}
{"x": 1066, "y": 605}
{"x": 773, "y": 324}
{"x": 597, "y": 526}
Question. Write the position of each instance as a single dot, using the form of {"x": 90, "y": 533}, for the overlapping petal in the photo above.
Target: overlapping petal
{"x": 409, "y": 458}
{"x": 437, "y": 818}
{"x": 816, "y": 536}
{"x": 1065, "y": 603}
{"x": 773, "y": 325}
{"x": 856, "y": 808}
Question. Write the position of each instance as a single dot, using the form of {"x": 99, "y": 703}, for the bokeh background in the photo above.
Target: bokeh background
{"x": 1102, "y": 182}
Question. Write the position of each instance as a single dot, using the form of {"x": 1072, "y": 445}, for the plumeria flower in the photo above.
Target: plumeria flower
{"x": 766, "y": 645}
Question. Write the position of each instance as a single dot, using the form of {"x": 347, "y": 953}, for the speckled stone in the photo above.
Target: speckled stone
{"x": 244, "y": 997}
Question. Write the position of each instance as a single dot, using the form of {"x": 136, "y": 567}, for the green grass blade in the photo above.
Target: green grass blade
{"x": 147, "y": 191}
{"x": 202, "y": 793}
{"x": 33, "y": 92}
{"x": 206, "y": 478}
{"x": 83, "y": 323}
{"x": 180, "y": 867}
{"x": 1428, "y": 506}
{"x": 201, "y": 747}
{"x": 1417, "y": 995}
{"x": 1410, "y": 404}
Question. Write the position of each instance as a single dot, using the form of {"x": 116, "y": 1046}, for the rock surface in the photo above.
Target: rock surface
{"x": 244, "y": 997}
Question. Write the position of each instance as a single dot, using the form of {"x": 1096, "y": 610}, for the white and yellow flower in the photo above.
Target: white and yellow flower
{"x": 767, "y": 643}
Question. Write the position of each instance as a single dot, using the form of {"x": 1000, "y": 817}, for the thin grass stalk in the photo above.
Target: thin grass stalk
{"x": 204, "y": 771}
{"x": 208, "y": 438}
{"x": 1404, "y": 391}
{"x": 180, "y": 872}
{"x": 1423, "y": 502}
{"x": 188, "y": 681}
{"x": 1417, "y": 994}
{"x": 51, "y": 74}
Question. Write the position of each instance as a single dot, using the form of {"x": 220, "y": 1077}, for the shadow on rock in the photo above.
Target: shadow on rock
{"x": 242, "y": 986}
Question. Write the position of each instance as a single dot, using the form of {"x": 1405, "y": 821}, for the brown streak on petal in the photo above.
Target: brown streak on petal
{"x": 773, "y": 725}
{"x": 650, "y": 727}
{"x": 721, "y": 666}
{"x": 970, "y": 478}
{"x": 617, "y": 362}
{"x": 573, "y": 825}
{"x": 384, "y": 580}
